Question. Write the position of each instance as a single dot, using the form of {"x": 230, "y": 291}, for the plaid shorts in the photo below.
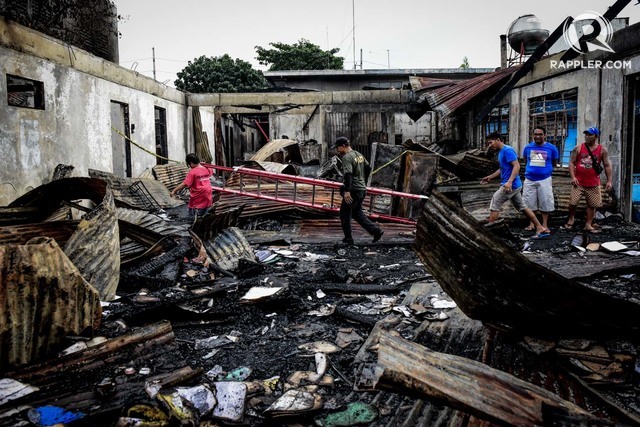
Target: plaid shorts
{"x": 592, "y": 195}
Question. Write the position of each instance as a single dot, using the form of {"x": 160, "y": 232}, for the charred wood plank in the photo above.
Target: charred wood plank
{"x": 126, "y": 347}
{"x": 494, "y": 283}
{"x": 464, "y": 384}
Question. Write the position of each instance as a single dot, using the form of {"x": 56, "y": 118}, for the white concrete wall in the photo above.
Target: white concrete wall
{"x": 75, "y": 126}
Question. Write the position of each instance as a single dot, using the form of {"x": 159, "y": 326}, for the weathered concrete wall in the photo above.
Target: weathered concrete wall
{"x": 291, "y": 123}
{"x": 424, "y": 130}
{"x": 75, "y": 125}
{"x": 587, "y": 81}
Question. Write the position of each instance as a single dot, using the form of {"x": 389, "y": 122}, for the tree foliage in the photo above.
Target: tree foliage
{"x": 302, "y": 55}
{"x": 220, "y": 74}
{"x": 465, "y": 63}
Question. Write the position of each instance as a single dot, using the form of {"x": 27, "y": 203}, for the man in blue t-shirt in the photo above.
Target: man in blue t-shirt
{"x": 510, "y": 184}
{"x": 537, "y": 190}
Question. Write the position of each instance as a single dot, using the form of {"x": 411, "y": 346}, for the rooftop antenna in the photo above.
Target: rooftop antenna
{"x": 353, "y": 15}
{"x": 153, "y": 53}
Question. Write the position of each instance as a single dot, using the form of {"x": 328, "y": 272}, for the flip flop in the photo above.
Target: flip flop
{"x": 540, "y": 236}
{"x": 568, "y": 226}
{"x": 529, "y": 228}
{"x": 593, "y": 231}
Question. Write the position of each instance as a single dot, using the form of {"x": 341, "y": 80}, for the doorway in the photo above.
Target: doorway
{"x": 120, "y": 146}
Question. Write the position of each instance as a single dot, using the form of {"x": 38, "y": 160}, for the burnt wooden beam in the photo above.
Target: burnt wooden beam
{"x": 464, "y": 384}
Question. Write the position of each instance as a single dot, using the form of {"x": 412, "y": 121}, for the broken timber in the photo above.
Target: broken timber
{"x": 464, "y": 384}
{"x": 492, "y": 282}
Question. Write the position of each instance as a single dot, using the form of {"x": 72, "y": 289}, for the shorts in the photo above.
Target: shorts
{"x": 501, "y": 196}
{"x": 592, "y": 195}
{"x": 538, "y": 195}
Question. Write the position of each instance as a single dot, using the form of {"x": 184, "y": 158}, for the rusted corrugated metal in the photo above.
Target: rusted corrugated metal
{"x": 60, "y": 231}
{"x": 425, "y": 83}
{"x": 448, "y": 99}
{"x": 228, "y": 248}
{"x": 43, "y": 298}
{"x": 362, "y": 129}
{"x": 95, "y": 245}
{"x": 171, "y": 175}
{"x": 129, "y": 248}
{"x": 146, "y": 194}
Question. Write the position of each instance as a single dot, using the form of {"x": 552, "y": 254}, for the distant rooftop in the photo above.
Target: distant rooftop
{"x": 463, "y": 72}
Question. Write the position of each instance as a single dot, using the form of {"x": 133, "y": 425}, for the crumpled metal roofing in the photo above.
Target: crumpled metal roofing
{"x": 43, "y": 298}
{"x": 228, "y": 248}
{"x": 271, "y": 147}
{"x": 94, "y": 248}
{"x": 446, "y": 100}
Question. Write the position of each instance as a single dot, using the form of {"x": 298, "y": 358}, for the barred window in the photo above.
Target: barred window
{"x": 23, "y": 92}
{"x": 557, "y": 114}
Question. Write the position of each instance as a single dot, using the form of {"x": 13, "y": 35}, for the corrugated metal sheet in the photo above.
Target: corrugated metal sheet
{"x": 60, "y": 231}
{"x": 419, "y": 84}
{"x": 95, "y": 247}
{"x": 228, "y": 248}
{"x": 43, "y": 297}
{"x": 171, "y": 175}
{"x": 129, "y": 248}
{"x": 448, "y": 99}
{"x": 362, "y": 129}
{"x": 271, "y": 147}
{"x": 127, "y": 191}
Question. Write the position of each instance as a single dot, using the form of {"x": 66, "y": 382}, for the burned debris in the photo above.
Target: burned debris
{"x": 253, "y": 314}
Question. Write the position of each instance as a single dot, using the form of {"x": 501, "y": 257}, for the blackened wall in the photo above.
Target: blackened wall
{"x": 91, "y": 25}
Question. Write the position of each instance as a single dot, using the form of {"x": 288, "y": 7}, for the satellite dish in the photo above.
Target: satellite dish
{"x": 525, "y": 34}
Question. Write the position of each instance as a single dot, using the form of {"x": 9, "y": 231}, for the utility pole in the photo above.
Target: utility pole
{"x": 361, "y": 58}
{"x": 388, "y": 60}
{"x": 353, "y": 15}
{"x": 153, "y": 54}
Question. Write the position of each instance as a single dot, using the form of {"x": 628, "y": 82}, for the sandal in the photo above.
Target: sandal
{"x": 592, "y": 230}
{"x": 540, "y": 236}
{"x": 568, "y": 226}
{"x": 529, "y": 228}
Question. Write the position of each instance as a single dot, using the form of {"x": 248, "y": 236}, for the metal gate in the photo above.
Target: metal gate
{"x": 362, "y": 129}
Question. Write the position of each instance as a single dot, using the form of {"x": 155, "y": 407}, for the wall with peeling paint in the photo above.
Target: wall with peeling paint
{"x": 75, "y": 126}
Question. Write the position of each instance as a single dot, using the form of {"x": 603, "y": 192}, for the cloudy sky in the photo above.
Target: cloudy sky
{"x": 391, "y": 33}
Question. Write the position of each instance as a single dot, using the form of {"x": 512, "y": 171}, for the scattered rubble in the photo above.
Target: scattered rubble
{"x": 256, "y": 314}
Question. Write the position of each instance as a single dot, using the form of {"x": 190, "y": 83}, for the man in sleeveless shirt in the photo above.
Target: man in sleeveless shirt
{"x": 585, "y": 179}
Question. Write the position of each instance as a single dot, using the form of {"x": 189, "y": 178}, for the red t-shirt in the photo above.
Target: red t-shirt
{"x": 584, "y": 172}
{"x": 200, "y": 191}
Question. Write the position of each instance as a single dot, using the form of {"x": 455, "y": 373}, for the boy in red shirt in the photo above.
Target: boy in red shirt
{"x": 199, "y": 185}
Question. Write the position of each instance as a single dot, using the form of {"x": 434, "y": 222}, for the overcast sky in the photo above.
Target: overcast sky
{"x": 391, "y": 33}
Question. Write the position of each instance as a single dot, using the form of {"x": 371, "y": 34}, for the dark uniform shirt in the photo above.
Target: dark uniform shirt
{"x": 354, "y": 162}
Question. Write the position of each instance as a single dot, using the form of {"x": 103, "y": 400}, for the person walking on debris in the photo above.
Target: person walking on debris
{"x": 510, "y": 184}
{"x": 585, "y": 167}
{"x": 355, "y": 169}
{"x": 537, "y": 190}
{"x": 199, "y": 185}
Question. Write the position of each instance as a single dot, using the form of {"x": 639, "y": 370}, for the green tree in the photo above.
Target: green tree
{"x": 220, "y": 74}
{"x": 303, "y": 55}
{"x": 465, "y": 63}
